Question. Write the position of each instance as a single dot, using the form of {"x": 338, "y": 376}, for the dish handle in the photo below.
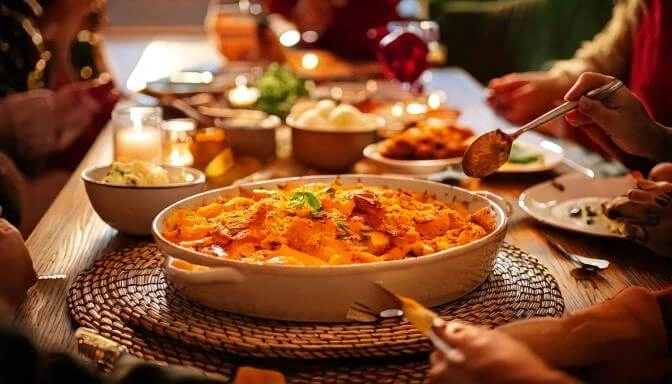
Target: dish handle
{"x": 497, "y": 199}
{"x": 211, "y": 275}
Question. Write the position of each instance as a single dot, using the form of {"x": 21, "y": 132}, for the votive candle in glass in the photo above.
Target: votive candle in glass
{"x": 137, "y": 134}
{"x": 177, "y": 138}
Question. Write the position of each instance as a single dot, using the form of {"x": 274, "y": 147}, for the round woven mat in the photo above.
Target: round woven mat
{"x": 126, "y": 291}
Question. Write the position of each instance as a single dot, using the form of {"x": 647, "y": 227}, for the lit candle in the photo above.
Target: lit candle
{"x": 242, "y": 95}
{"x": 137, "y": 142}
{"x": 177, "y": 141}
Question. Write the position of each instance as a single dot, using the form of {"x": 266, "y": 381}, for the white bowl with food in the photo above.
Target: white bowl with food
{"x": 128, "y": 196}
{"x": 329, "y": 136}
{"x": 305, "y": 249}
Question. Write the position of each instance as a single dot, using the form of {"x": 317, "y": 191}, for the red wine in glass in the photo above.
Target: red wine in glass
{"x": 403, "y": 55}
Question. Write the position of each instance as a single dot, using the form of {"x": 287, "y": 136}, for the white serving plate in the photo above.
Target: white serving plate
{"x": 324, "y": 294}
{"x": 411, "y": 167}
{"x": 548, "y": 204}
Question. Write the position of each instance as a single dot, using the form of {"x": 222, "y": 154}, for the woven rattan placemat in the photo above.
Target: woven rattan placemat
{"x": 126, "y": 297}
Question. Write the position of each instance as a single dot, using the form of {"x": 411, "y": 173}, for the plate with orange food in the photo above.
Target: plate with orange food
{"x": 430, "y": 146}
{"x": 274, "y": 249}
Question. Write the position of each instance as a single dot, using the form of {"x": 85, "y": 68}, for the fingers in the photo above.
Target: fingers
{"x": 661, "y": 172}
{"x": 586, "y": 83}
{"x": 636, "y": 233}
{"x": 507, "y": 83}
{"x": 517, "y": 106}
{"x": 597, "y": 112}
{"x": 643, "y": 212}
{"x": 577, "y": 119}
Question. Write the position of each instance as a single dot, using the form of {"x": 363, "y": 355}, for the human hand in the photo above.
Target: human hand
{"x": 646, "y": 212}
{"x": 520, "y": 97}
{"x": 482, "y": 355}
{"x": 16, "y": 267}
{"x": 661, "y": 172}
{"x": 621, "y": 119}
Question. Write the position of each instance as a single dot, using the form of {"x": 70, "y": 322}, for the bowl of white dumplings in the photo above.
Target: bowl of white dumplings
{"x": 331, "y": 136}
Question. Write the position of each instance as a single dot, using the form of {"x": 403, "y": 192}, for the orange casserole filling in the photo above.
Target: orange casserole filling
{"x": 326, "y": 224}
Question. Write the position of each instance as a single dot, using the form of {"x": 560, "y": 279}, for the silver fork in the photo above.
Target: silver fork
{"x": 588, "y": 263}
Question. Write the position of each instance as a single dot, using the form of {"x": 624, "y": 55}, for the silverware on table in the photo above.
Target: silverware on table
{"x": 52, "y": 277}
{"x": 578, "y": 167}
{"x": 364, "y": 313}
{"x": 588, "y": 263}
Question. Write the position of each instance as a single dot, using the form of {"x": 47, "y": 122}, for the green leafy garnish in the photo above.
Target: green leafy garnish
{"x": 300, "y": 198}
{"x": 279, "y": 88}
{"x": 521, "y": 155}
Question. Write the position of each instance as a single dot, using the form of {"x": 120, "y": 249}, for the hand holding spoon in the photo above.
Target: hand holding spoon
{"x": 491, "y": 150}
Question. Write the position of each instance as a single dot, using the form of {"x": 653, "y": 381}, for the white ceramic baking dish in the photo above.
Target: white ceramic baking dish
{"x": 325, "y": 294}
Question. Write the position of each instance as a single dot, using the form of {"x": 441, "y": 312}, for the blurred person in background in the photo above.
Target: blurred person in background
{"x": 341, "y": 25}
{"x": 51, "y": 110}
{"x": 636, "y": 45}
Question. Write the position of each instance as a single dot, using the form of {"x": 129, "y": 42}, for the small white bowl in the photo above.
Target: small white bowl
{"x": 130, "y": 208}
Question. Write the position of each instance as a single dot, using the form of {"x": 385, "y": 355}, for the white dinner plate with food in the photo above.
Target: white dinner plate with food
{"x": 525, "y": 158}
{"x": 574, "y": 202}
{"x": 529, "y": 158}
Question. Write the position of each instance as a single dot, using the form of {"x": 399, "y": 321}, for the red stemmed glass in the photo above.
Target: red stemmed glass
{"x": 403, "y": 54}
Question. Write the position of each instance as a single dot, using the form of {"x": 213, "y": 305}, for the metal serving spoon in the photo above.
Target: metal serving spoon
{"x": 491, "y": 150}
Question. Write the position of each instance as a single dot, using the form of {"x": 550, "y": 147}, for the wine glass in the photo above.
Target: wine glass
{"x": 404, "y": 51}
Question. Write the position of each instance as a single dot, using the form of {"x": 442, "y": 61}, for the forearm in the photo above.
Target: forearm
{"x": 626, "y": 325}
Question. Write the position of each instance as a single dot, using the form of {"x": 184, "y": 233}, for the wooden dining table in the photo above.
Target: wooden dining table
{"x": 71, "y": 236}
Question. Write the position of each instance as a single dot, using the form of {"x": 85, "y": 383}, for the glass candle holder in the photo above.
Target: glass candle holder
{"x": 177, "y": 139}
{"x": 208, "y": 144}
{"x": 137, "y": 134}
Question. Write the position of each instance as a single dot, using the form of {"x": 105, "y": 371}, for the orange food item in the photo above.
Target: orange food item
{"x": 428, "y": 140}
{"x": 326, "y": 224}
{"x": 249, "y": 375}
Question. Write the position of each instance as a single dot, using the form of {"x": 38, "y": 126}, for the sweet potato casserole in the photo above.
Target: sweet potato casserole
{"x": 325, "y": 224}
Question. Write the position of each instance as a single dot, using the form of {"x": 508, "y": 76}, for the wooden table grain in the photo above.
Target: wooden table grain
{"x": 70, "y": 236}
